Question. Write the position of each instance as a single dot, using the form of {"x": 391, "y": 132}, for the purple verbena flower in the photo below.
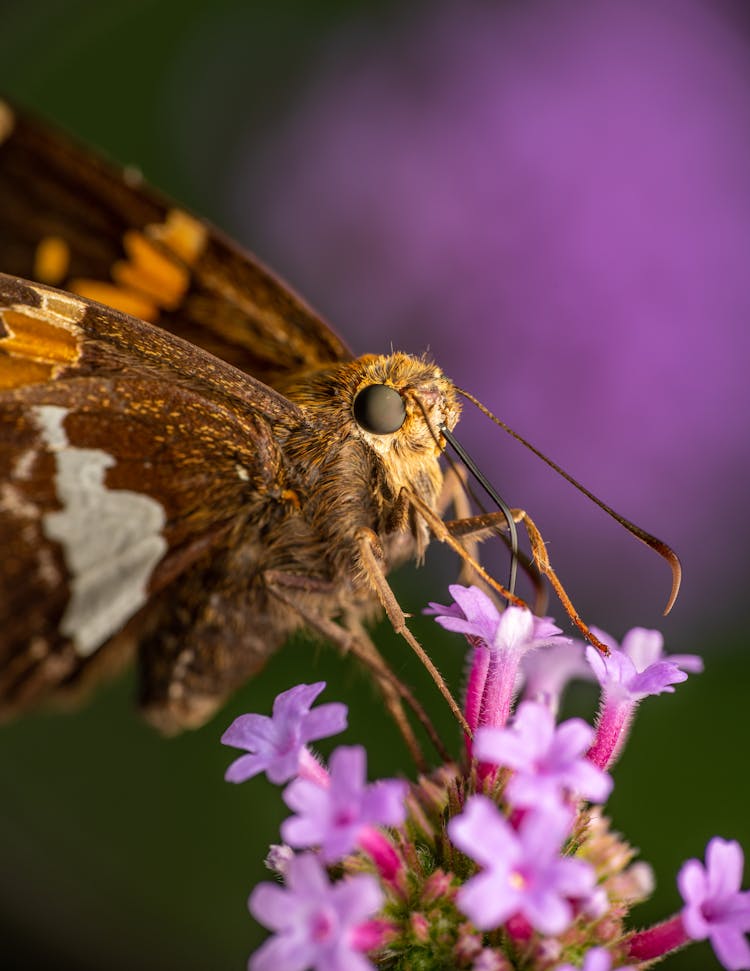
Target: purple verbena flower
{"x": 549, "y": 761}
{"x": 315, "y": 922}
{"x": 597, "y": 959}
{"x": 472, "y": 613}
{"x": 524, "y": 873}
{"x": 500, "y": 639}
{"x": 627, "y": 678}
{"x": 621, "y": 679}
{"x": 276, "y": 744}
{"x": 475, "y": 614}
{"x": 334, "y": 816}
{"x": 715, "y": 907}
{"x": 638, "y": 667}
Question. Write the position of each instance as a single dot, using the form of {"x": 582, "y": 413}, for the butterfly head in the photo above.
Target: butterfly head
{"x": 400, "y": 403}
{"x": 388, "y": 408}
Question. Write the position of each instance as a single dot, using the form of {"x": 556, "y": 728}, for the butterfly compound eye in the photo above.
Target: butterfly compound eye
{"x": 379, "y": 409}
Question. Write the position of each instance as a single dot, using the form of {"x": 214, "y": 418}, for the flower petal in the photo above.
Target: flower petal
{"x": 291, "y": 953}
{"x": 483, "y": 833}
{"x": 307, "y": 876}
{"x": 357, "y": 898}
{"x": 643, "y": 647}
{"x": 656, "y": 679}
{"x": 724, "y": 862}
{"x": 246, "y": 767}
{"x": 250, "y": 732}
{"x": 297, "y": 699}
{"x": 572, "y": 738}
{"x": 269, "y": 905}
{"x": 547, "y": 912}
{"x": 384, "y": 802}
{"x": 324, "y": 721}
{"x": 486, "y": 901}
{"x": 731, "y": 947}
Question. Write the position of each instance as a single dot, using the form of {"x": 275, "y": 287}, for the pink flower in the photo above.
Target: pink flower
{"x": 334, "y": 816}
{"x": 549, "y": 761}
{"x": 715, "y": 907}
{"x": 621, "y": 679}
{"x": 276, "y": 744}
{"x": 500, "y": 639}
{"x": 524, "y": 872}
{"x": 316, "y": 923}
{"x": 638, "y": 668}
{"x": 477, "y": 616}
{"x": 627, "y": 676}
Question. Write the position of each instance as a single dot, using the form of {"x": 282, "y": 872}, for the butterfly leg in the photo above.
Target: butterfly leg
{"x": 489, "y": 522}
{"x": 358, "y": 643}
{"x": 441, "y": 532}
{"x": 371, "y": 556}
{"x": 488, "y": 525}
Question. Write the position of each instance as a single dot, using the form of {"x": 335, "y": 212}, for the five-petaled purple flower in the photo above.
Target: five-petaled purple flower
{"x": 549, "y": 761}
{"x": 627, "y": 676}
{"x": 500, "y": 640}
{"x": 333, "y": 816}
{"x": 524, "y": 873}
{"x": 476, "y": 615}
{"x": 316, "y": 923}
{"x": 715, "y": 907}
{"x": 276, "y": 744}
{"x": 637, "y": 668}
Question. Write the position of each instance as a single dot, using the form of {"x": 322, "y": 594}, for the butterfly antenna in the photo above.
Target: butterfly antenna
{"x": 666, "y": 552}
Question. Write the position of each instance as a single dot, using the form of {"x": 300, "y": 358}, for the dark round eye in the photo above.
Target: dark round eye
{"x": 379, "y": 409}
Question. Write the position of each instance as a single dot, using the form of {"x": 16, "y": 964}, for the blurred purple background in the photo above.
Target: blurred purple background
{"x": 555, "y": 199}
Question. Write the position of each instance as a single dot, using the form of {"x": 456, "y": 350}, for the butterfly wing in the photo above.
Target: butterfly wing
{"x": 73, "y": 220}
{"x": 127, "y": 456}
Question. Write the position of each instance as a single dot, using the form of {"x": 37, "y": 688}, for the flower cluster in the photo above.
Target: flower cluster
{"x": 505, "y": 862}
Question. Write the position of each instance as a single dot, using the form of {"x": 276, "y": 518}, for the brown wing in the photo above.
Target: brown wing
{"x": 126, "y": 456}
{"x": 70, "y": 219}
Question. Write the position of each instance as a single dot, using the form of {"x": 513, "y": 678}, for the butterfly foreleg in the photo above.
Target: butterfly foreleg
{"x": 443, "y": 534}
{"x": 491, "y": 523}
{"x": 357, "y": 642}
{"x": 371, "y": 558}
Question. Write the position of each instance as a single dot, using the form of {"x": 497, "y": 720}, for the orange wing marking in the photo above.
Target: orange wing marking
{"x": 156, "y": 274}
{"x": 51, "y": 260}
{"x": 36, "y": 343}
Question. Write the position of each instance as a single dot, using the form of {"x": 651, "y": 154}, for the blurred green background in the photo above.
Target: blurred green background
{"x": 120, "y": 849}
